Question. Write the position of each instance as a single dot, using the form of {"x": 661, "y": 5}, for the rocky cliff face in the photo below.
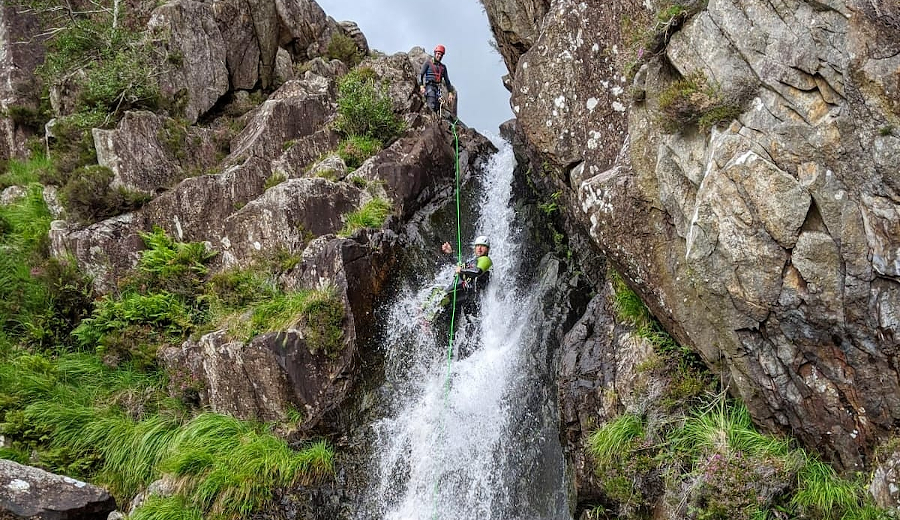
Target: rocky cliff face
{"x": 251, "y": 178}
{"x": 767, "y": 240}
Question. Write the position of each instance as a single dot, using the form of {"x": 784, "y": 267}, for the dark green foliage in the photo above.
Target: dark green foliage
{"x": 693, "y": 101}
{"x": 342, "y": 47}
{"x": 365, "y": 108}
{"x": 72, "y": 145}
{"x": 355, "y": 150}
{"x": 161, "y": 303}
{"x": 33, "y": 118}
{"x": 71, "y": 296}
{"x": 88, "y": 196}
{"x": 164, "y": 312}
{"x": 323, "y": 318}
{"x": 179, "y": 268}
{"x": 173, "y": 136}
{"x": 239, "y": 288}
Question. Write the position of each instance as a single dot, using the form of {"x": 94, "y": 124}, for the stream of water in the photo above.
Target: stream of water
{"x": 461, "y": 438}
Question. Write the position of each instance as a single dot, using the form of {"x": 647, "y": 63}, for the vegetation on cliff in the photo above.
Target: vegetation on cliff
{"x": 80, "y": 389}
{"x": 696, "y": 451}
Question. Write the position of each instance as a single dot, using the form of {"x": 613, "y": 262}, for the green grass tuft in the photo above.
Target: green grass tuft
{"x": 615, "y": 438}
{"x": 726, "y": 428}
{"x": 821, "y": 493}
{"x": 371, "y": 215}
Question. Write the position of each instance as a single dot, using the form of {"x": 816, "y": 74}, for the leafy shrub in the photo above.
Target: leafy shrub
{"x": 72, "y": 145}
{"x": 121, "y": 81}
{"x": 162, "y": 311}
{"x": 117, "y": 70}
{"x": 70, "y": 293}
{"x": 365, "y": 109}
{"x": 323, "y": 316}
{"x": 88, "y": 196}
{"x": 691, "y": 100}
{"x": 342, "y": 47}
{"x": 174, "y": 267}
{"x": 33, "y": 118}
{"x": 370, "y": 215}
{"x": 355, "y": 150}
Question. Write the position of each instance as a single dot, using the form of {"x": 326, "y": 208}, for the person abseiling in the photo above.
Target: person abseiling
{"x": 430, "y": 78}
{"x": 473, "y": 278}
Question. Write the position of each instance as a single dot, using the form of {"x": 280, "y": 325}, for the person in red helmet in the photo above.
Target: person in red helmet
{"x": 433, "y": 74}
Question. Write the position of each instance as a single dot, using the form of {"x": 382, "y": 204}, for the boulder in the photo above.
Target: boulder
{"x": 274, "y": 373}
{"x": 28, "y": 492}
{"x": 299, "y": 108}
{"x": 416, "y": 167}
{"x": 194, "y": 68}
{"x": 147, "y": 152}
{"x": 285, "y": 217}
{"x": 307, "y": 30}
{"x": 235, "y": 378}
{"x": 516, "y": 26}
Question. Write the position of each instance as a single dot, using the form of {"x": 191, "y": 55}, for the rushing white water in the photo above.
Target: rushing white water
{"x": 453, "y": 444}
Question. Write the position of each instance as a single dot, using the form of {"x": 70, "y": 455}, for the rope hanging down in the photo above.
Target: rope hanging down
{"x": 452, "y": 304}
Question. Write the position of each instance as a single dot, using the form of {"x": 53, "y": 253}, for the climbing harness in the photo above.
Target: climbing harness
{"x": 452, "y": 307}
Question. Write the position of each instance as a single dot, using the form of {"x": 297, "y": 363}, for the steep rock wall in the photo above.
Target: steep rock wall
{"x": 770, "y": 242}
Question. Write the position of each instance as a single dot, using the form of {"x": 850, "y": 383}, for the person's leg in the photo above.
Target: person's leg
{"x": 432, "y": 99}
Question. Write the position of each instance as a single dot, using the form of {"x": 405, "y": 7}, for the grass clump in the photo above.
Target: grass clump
{"x": 691, "y": 100}
{"x": 274, "y": 180}
{"x": 77, "y": 422}
{"x": 684, "y": 371}
{"x": 355, "y": 150}
{"x": 319, "y": 313}
{"x": 723, "y": 466}
{"x": 23, "y": 173}
{"x": 622, "y": 454}
{"x": 371, "y": 215}
{"x": 41, "y": 299}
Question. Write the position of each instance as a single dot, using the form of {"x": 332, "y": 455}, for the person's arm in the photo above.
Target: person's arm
{"x": 422, "y": 76}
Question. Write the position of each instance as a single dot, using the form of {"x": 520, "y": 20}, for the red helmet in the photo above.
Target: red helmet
{"x": 440, "y": 49}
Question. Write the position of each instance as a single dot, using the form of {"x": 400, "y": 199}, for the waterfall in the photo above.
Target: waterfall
{"x": 460, "y": 438}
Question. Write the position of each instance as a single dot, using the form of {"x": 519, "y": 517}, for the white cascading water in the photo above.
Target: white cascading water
{"x": 453, "y": 442}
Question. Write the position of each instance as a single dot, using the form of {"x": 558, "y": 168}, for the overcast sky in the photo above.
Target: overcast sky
{"x": 475, "y": 69}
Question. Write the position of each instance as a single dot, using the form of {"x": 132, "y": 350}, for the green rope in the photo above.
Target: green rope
{"x": 452, "y": 304}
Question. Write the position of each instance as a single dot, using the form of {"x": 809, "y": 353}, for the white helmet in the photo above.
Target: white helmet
{"x": 482, "y": 241}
